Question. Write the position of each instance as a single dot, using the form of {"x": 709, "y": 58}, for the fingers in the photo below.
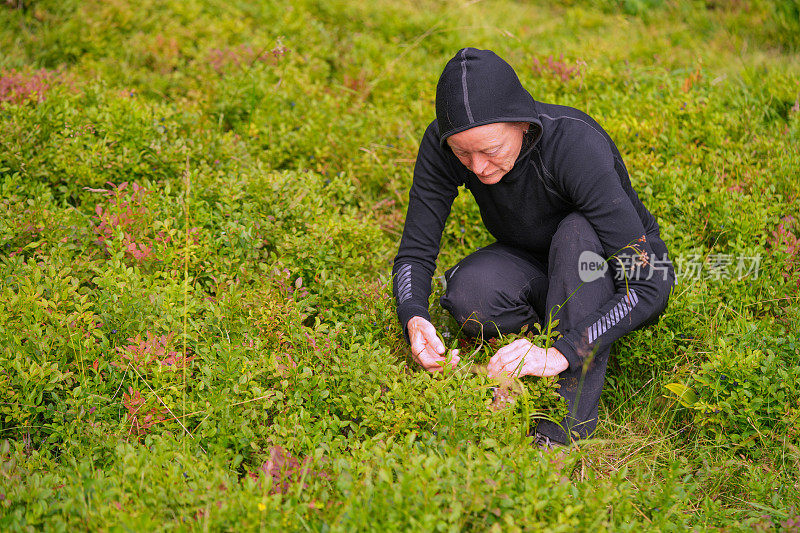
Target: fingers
{"x": 426, "y": 347}
{"x": 417, "y": 338}
{"x": 433, "y": 362}
{"x": 509, "y": 358}
{"x": 431, "y": 338}
{"x": 442, "y": 361}
{"x": 422, "y": 334}
{"x": 512, "y": 368}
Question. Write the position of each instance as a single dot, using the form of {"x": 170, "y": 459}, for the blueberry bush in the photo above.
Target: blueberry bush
{"x": 199, "y": 206}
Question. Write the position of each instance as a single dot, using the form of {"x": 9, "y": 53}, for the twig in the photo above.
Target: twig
{"x": 121, "y": 381}
{"x": 167, "y": 407}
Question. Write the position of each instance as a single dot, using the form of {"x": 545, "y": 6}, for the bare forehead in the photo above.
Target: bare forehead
{"x": 479, "y": 136}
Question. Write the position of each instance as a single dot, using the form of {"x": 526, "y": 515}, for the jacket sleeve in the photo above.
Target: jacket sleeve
{"x": 432, "y": 193}
{"x": 585, "y": 170}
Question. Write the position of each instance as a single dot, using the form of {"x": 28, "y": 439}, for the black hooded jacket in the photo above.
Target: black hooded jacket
{"x": 567, "y": 163}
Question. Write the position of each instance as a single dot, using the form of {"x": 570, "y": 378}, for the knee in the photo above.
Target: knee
{"x": 471, "y": 299}
{"x": 492, "y": 292}
{"x": 574, "y": 235}
{"x": 575, "y": 227}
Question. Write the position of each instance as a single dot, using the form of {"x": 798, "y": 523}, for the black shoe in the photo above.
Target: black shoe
{"x": 544, "y": 443}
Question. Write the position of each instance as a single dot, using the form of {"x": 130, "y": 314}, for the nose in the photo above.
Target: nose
{"x": 479, "y": 164}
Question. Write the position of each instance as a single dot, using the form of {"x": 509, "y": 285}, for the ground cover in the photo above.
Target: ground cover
{"x": 200, "y": 204}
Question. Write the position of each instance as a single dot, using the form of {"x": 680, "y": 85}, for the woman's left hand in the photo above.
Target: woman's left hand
{"x": 523, "y": 358}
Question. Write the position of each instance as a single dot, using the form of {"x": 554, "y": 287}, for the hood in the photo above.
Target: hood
{"x": 477, "y": 87}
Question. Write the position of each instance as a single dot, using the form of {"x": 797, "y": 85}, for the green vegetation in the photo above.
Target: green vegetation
{"x": 200, "y": 204}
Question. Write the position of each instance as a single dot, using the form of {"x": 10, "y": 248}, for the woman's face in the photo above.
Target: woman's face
{"x": 489, "y": 151}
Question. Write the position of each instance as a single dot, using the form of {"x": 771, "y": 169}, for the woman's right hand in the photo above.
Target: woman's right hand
{"x": 426, "y": 347}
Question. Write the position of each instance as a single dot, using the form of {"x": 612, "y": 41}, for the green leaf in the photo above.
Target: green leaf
{"x": 684, "y": 394}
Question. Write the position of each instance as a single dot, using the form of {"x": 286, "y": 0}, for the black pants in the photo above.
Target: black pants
{"x": 500, "y": 289}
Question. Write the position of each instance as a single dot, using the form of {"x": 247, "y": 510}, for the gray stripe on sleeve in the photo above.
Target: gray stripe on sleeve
{"x": 404, "y": 284}
{"x": 612, "y": 317}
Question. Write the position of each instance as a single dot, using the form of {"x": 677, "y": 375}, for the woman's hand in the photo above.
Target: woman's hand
{"x": 522, "y": 358}
{"x": 426, "y": 347}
